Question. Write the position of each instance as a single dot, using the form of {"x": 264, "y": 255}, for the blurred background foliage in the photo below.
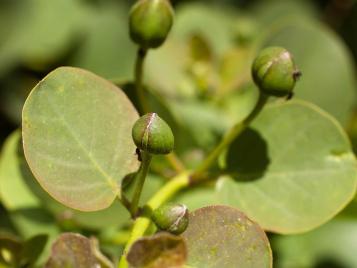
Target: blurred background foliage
{"x": 207, "y": 57}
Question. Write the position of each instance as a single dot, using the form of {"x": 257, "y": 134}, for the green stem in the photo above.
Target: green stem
{"x": 234, "y": 132}
{"x": 142, "y": 223}
{"x": 139, "y": 73}
{"x": 140, "y": 180}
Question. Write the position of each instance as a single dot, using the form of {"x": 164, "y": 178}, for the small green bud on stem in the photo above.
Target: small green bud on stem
{"x": 153, "y": 135}
{"x": 274, "y": 72}
{"x": 150, "y": 22}
{"x": 172, "y": 218}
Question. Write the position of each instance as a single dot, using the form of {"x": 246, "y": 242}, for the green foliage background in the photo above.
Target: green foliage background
{"x": 208, "y": 53}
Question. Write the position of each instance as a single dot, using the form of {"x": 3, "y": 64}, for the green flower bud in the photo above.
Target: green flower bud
{"x": 172, "y": 218}
{"x": 150, "y": 22}
{"x": 275, "y": 72}
{"x": 153, "y": 135}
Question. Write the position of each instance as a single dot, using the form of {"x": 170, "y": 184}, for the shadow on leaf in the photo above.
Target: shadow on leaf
{"x": 247, "y": 158}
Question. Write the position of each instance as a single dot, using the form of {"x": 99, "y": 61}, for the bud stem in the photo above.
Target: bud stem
{"x": 142, "y": 222}
{"x": 140, "y": 180}
{"x": 234, "y": 132}
{"x": 139, "y": 71}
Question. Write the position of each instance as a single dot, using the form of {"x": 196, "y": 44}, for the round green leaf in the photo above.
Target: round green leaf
{"x": 220, "y": 236}
{"x": 77, "y": 138}
{"x": 16, "y": 177}
{"x": 292, "y": 170}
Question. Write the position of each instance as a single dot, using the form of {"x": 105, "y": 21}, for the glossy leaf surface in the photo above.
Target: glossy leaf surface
{"x": 76, "y": 135}
{"x": 221, "y": 236}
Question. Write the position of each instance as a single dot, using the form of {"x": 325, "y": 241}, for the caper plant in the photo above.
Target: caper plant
{"x": 86, "y": 144}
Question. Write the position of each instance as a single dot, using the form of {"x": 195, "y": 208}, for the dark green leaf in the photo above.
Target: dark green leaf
{"x": 72, "y": 251}
{"x": 32, "y": 249}
{"x": 158, "y": 251}
{"x": 220, "y": 236}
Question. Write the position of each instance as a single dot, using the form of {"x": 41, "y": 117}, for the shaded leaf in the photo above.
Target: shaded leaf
{"x": 268, "y": 12}
{"x": 292, "y": 170}
{"x": 107, "y": 49}
{"x": 333, "y": 243}
{"x": 34, "y": 221}
{"x": 33, "y": 248}
{"x": 18, "y": 253}
{"x": 10, "y": 249}
{"x": 158, "y": 251}
{"x": 221, "y": 236}
{"x": 213, "y": 23}
{"x": 72, "y": 251}
{"x": 77, "y": 138}
{"x": 38, "y": 35}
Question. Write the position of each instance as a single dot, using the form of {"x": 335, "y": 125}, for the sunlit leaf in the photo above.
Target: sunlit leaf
{"x": 21, "y": 180}
{"x": 77, "y": 138}
{"x": 292, "y": 170}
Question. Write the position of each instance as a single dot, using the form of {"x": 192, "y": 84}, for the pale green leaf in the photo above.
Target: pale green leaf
{"x": 11, "y": 177}
{"x": 77, "y": 138}
{"x": 292, "y": 170}
{"x": 32, "y": 195}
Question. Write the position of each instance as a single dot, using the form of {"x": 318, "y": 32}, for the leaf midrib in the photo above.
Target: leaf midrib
{"x": 109, "y": 179}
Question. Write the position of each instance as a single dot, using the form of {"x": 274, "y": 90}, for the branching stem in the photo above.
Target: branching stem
{"x": 142, "y": 222}
{"x": 227, "y": 140}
